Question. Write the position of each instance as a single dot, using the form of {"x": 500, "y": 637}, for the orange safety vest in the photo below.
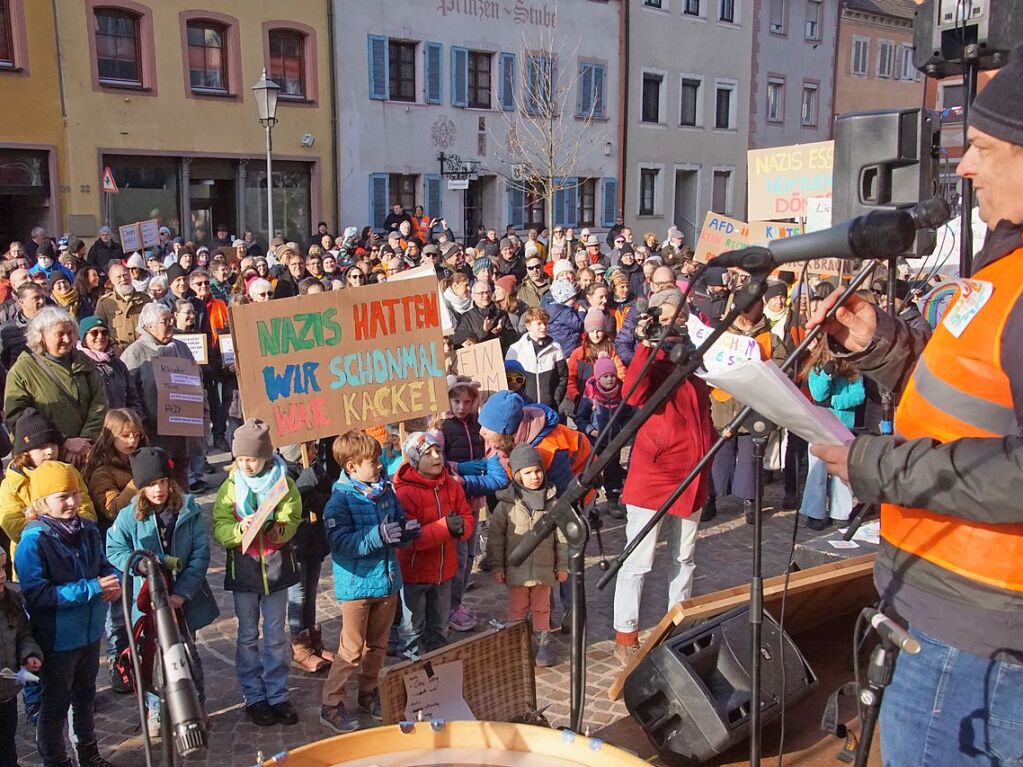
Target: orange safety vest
{"x": 959, "y": 390}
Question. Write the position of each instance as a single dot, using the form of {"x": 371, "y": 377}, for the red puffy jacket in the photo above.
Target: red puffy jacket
{"x": 671, "y": 443}
{"x": 432, "y": 557}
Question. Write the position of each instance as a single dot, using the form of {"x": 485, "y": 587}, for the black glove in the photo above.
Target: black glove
{"x": 830, "y": 368}
{"x": 456, "y": 525}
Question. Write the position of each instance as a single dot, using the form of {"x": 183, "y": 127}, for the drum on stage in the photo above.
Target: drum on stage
{"x": 459, "y": 744}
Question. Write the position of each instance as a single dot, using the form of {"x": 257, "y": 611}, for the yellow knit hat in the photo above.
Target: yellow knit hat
{"x": 52, "y": 477}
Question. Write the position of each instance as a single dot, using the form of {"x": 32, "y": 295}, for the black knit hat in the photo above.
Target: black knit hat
{"x": 34, "y": 430}
{"x": 998, "y": 109}
{"x": 174, "y": 271}
{"x": 149, "y": 464}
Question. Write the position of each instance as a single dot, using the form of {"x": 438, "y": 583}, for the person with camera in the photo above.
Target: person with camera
{"x": 667, "y": 447}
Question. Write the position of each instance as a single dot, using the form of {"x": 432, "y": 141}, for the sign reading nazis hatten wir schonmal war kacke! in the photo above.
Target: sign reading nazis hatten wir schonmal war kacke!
{"x": 322, "y": 364}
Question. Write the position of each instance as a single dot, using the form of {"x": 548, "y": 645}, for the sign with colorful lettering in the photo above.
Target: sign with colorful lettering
{"x": 179, "y": 398}
{"x": 782, "y": 179}
{"x": 483, "y": 363}
{"x": 322, "y": 364}
{"x": 721, "y": 234}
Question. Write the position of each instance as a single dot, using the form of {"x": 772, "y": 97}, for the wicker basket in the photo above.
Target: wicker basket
{"x": 498, "y": 679}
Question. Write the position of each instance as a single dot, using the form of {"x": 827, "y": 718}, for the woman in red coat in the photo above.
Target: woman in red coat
{"x": 667, "y": 447}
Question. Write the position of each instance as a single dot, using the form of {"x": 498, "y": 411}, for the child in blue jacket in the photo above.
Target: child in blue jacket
{"x": 600, "y": 401}
{"x": 365, "y": 523}
{"x": 66, "y": 580}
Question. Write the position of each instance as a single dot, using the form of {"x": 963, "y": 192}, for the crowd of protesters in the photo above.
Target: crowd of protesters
{"x": 405, "y": 523}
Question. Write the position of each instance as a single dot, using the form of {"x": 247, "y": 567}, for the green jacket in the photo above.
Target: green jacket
{"x": 76, "y": 408}
{"x": 270, "y": 563}
{"x": 508, "y": 525}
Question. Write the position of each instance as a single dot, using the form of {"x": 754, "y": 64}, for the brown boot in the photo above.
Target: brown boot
{"x": 316, "y": 640}
{"x": 304, "y": 657}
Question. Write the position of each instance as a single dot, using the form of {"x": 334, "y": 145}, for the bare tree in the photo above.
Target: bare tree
{"x": 547, "y": 128}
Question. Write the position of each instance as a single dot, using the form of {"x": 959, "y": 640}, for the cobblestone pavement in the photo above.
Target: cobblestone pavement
{"x": 724, "y": 559}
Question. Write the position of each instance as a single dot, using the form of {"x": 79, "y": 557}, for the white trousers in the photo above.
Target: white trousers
{"x": 681, "y": 534}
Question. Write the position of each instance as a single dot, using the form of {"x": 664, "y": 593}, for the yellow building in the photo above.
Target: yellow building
{"x": 160, "y": 93}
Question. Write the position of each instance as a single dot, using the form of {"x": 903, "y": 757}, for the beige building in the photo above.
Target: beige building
{"x": 159, "y": 93}
{"x": 874, "y": 65}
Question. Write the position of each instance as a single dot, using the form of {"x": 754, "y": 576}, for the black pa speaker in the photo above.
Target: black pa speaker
{"x": 691, "y": 694}
{"x": 886, "y": 159}
{"x": 947, "y": 32}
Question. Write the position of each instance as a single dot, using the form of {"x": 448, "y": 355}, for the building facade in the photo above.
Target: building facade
{"x": 159, "y": 94}
{"x": 687, "y": 130}
{"x": 509, "y": 88}
{"x": 791, "y": 97}
{"x": 874, "y": 66}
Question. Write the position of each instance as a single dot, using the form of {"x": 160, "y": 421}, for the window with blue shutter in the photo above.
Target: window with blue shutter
{"x": 431, "y": 70}
{"x": 559, "y": 202}
{"x": 609, "y": 201}
{"x": 570, "y": 215}
{"x": 378, "y": 80}
{"x": 433, "y": 195}
{"x": 378, "y": 196}
{"x": 506, "y": 71}
{"x": 598, "y": 91}
{"x": 459, "y": 77}
{"x": 516, "y": 205}
{"x": 541, "y": 75}
{"x": 585, "y": 86}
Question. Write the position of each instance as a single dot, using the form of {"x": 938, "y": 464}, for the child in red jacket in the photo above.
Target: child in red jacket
{"x": 429, "y": 494}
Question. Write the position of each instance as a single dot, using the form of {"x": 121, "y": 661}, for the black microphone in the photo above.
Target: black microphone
{"x": 892, "y": 631}
{"x": 187, "y": 722}
{"x": 879, "y": 234}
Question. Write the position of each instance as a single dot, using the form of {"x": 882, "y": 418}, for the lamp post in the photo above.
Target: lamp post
{"x": 266, "y": 92}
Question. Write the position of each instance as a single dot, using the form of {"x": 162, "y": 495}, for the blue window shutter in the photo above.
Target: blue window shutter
{"x": 516, "y": 205}
{"x": 532, "y": 84}
{"x": 559, "y": 202}
{"x": 551, "y": 87}
{"x": 378, "y": 81}
{"x": 434, "y": 195}
{"x": 609, "y": 200}
{"x": 584, "y": 103}
{"x": 598, "y": 91}
{"x": 459, "y": 77}
{"x": 378, "y": 196}
{"x": 432, "y": 67}
{"x": 506, "y": 66}
{"x": 571, "y": 203}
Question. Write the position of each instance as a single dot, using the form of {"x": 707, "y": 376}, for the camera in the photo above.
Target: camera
{"x": 655, "y": 329}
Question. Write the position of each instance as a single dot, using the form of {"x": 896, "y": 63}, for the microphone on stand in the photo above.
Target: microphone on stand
{"x": 891, "y": 631}
{"x": 879, "y": 234}
{"x": 187, "y": 721}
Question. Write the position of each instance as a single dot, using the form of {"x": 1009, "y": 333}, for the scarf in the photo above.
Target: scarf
{"x": 459, "y": 305}
{"x": 534, "y": 500}
{"x": 602, "y": 397}
{"x": 774, "y": 317}
{"x": 248, "y": 490}
{"x": 374, "y": 491}
{"x": 100, "y": 358}
{"x": 68, "y": 530}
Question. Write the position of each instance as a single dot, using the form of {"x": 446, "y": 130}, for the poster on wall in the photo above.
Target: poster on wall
{"x": 322, "y": 364}
{"x": 781, "y": 180}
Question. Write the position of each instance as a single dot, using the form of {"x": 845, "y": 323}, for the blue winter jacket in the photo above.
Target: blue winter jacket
{"x": 565, "y": 327}
{"x": 841, "y": 395}
{"x": 60, "y": 584}
{"x": 591, "y": 418}
{"x": 190, "y": 543}
{"x": 625, "y": 341}
{"x": 364, "y": 566}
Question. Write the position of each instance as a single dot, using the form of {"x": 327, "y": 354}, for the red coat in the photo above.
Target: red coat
{"x": 432, "y": 558}
{"x": 671, "y": 443}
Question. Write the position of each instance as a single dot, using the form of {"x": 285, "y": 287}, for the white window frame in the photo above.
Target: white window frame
{"x": 733, "y": 104}
{"x": 819, "y": 23}
{"x": 904, "y": 69}
{"x": 702, "y": 15}
{"x": 729, "y": 187}
{"x": 888, "y": 45}
{"x": 783, "y": 28}
{"x": 803, "y": 121}
{"x": 664, "y": 7}
{"x": 857, "y": 41}
{"x": 779, "y": 118}
{"x": 658, "y": 189}
{"x": 736, "y": 14}
{"x": 662, "y": 99}
{"x": 700, "y": 91}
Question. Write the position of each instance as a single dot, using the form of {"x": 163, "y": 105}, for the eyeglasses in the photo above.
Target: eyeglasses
{"x": 98, "y": 332}
{"x": 263, "y": 295}
{"x": 203, "y": 284}
{"x": 516, "y": 378}
{"x": 481, "y": 292}
{"x": 534, "y": 268}
{"x": 357, "y": 277}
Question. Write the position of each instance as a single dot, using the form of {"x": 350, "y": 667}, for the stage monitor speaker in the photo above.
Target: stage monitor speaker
{"x": 945, "y": 32}
{"x": 885, "y": 160}
{"x": 691, "y": 694}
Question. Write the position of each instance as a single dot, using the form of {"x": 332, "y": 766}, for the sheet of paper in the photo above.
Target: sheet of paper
{"x": 840, "y": 544}
{"x": 869, "y": 532}
{"x": 436, "y": 693}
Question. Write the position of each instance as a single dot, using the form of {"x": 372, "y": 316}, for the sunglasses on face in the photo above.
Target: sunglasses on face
{"x": 357, "y": 277}
{"x": 534, "y": 268}
{"x": 516, "y": 378}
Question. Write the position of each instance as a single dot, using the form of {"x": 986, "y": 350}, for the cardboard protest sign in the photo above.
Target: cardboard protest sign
{"x": 131, "y": 237}
{"x": 179, "y": 398}
{"x": 483, "y": 363}
{"x": 721, "y": 234}
{"x": 266, "y": 507}
{"x": 781, "y": 179}
{"x": 322, "y": 364}
{"x": 818, "y": 214}
{"x": 226, "y": 344}
{"x": 149, "y": 230}
{"x": 197, "y": 344}
{"x": 446, "y": 322}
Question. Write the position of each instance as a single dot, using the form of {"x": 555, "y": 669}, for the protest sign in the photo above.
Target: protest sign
{"x": 226, "y": 344}
{"x": 483, "y": 363}
{"x": 818, "y": 214}
{"x": 179, "y": 397}
{"x": 322, "y": 364}
{"x": 131, "y": 237}
{"x": 722, "y": 233}
{"x": 274, "y": 496}
{"x": 150, "y": 232}
{"x": 446, "y": 323}
{"x": 780, "y": 180}
{"x": 197, "y": 344}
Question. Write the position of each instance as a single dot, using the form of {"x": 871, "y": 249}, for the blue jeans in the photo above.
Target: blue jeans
{"x": 302, "y": 597}
{"x": 946, "y": 707}
{"x": 262, "y": 675}
{"x": 824, "y": 495}
{"x": 426, "y": 608}
{"x": 68, "y": 678}
{"x": 466, "y": 557}
{"x": 117, "y": 632}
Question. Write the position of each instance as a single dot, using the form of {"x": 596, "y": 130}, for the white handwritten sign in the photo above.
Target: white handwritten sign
{"x": 226, "y": 344}
{"x": 484, "y": 364}
{"x": 435, "y": 692}
{"x": 196, "y": 343}
{"x": 131, "y": 237}
{"x": 150, "y": 232}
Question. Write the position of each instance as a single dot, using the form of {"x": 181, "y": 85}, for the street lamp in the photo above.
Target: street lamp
{"x": 266, "y": 92}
